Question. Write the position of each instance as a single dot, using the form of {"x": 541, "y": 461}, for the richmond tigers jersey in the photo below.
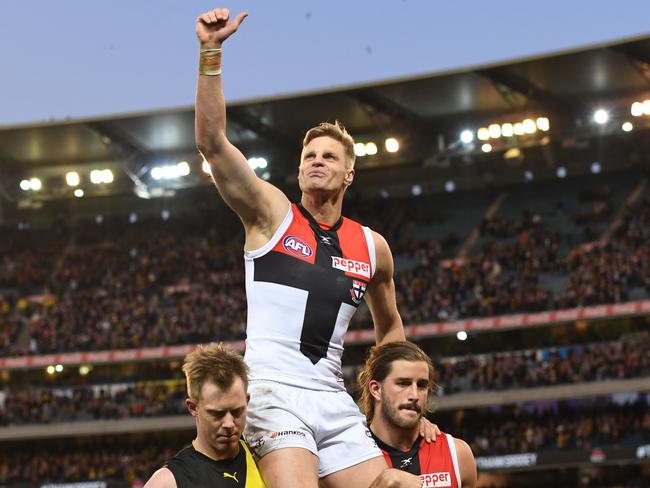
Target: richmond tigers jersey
{"x": 436, "y": 462}
{"x": 193, "y": 469}
{"x": 302, "y": 289}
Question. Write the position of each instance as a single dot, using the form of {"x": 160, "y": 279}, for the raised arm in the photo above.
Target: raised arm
{"x": 260, "y": 205}
{"x": 381, "y": 296}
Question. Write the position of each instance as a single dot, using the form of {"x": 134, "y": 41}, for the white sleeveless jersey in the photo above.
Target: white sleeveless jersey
{"x": 303, "y": 288}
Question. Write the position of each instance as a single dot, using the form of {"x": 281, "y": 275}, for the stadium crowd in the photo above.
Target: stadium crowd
{"x": 506, "y": 431}
{"x": 475, "y": 373}
{"x": 153, "y": 284}
{"x": 489, "y": 432}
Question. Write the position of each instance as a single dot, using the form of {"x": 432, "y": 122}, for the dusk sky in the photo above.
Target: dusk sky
{"x": 81, "y": 58}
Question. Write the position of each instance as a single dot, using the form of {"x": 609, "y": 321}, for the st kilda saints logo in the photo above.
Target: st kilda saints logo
{"x": 357, "y": 291}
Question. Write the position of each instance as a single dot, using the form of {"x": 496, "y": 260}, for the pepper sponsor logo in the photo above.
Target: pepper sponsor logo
{"x": 297, "y": 247}
{"x": 435, "y": 480}
{"x": 351, "y": 266}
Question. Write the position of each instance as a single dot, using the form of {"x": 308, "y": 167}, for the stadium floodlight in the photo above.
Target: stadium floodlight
{"x": 461, "y": 335}
{"x": 266, "y": 175}
{"x": 646, "y": 107}
{"x": 99, "y": 218}
{"x": 416, "y": 190}
{"x": 78, "y": 193}
{"x": 483, "y": 134}
{"x": 99, "y": 176}
{"x": 156, "y": 172}
{"x": 183, "y": 168}
{"x": 450, "y": 186}
{"x": 50, "y": 369}
{"x": 512, "y": 153}
{"x": 107, "y": 176}
{"x": 601, "y": 116}
{"x": 72, "y": 178}
{"x": 205, "y": 167}
{"x": 133, "y": 218}
{"x": 35, "y": 184}
{"x": 84, "y": 369}
{"x": 371, "y": 148}
{"x": 627, "y": 126}
{"x": 58, "y": 368}
{"x": 96, "y": 176}
{"x": 494, "y": 130}
{"x": 543, "y": 124}
{"x": 560, "y": 172}
{"x": 636, "y": 109}
{"x": 391, "y": 144}
{"x": 256, "y": 163}
{"x": 359, "y": 149}
{"x": 518, "y": 129}
{"x": 164, "y": 214}
{"x": 486, "y": 148}
{"x": 466, "y": 136}
{"x": 595, "y": 167}
{"x": 528, "y": 175}
{"x": 529, "y": 126}
{"x": 25, "y": 185}
{"x": 383, "y": 193}
{"x": 507, "y": 130}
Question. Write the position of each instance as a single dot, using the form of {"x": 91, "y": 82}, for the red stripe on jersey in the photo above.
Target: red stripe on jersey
{"x": 298, "y": 240}
{"x": 389, "y": 461}
{"x": 436, "y": 464}
{"x": 356, "y": 256}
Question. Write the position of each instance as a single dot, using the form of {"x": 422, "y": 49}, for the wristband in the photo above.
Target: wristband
{"x": 210, "y": 62}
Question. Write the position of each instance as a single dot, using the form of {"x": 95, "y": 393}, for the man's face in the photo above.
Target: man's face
{"x": 221, "y": 416}
{"x": 404, "y": 393}
{"x": 324, "y": 167}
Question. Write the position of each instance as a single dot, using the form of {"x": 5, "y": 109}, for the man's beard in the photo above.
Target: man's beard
{"x": 393, "y": 414}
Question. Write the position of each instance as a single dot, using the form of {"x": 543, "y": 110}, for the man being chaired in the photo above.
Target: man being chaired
{"x": 307, "y": 270}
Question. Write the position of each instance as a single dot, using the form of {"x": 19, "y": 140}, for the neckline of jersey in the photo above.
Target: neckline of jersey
{"x": 320, "y": 225}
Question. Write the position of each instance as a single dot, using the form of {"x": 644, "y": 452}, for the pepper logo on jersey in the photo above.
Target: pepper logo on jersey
{"x": 297, "y": 247}
{"x": 435, "y": 480}
{"x": 351, "y": 266}
{"x": 357, "y": 291}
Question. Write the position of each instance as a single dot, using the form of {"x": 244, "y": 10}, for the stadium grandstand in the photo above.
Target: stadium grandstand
{"x": 515, "y": 199}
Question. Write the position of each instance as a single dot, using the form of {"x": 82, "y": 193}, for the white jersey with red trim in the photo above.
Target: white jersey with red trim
{"x": 303, "y": 288}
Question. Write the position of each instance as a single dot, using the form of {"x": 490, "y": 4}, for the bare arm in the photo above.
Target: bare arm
{"x": 381, "y": 296}
{"x": 163, "y": 478}
{"x": 260, "y": 205}
{"x": 466, "y": 464}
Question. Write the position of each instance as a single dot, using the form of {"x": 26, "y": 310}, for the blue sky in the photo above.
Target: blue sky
{"x": 82, "y": 58}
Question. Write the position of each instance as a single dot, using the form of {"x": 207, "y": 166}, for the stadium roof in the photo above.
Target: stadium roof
{"x": 425, "y": 114}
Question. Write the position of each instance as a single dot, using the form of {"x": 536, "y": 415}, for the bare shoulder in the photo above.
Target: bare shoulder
{"x": 466, "y": 463}
{"x": 383, "y": 255}
{"x": 163, "y": 478}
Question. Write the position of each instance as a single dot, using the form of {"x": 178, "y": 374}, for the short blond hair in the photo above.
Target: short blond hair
{"x": 215, "y": 363}
{"x": 337, "y": 132}
{"x": 379, "y": 365}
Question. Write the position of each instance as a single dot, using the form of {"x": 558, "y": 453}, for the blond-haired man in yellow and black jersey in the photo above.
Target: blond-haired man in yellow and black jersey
{"x": 217, "y": 381}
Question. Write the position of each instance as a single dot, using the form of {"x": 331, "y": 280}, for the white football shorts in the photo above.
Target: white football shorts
{"x": 326, "y": 423}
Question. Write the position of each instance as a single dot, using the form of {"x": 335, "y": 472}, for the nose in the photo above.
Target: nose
{"x": 413, "y": 392}
{"x": 228, "y": 422}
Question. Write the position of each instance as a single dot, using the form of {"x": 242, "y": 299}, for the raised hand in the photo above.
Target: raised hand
{"x": 215, "y": 26}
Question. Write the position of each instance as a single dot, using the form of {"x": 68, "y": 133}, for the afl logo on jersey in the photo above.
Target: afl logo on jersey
{"x": 296, "y": 246}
